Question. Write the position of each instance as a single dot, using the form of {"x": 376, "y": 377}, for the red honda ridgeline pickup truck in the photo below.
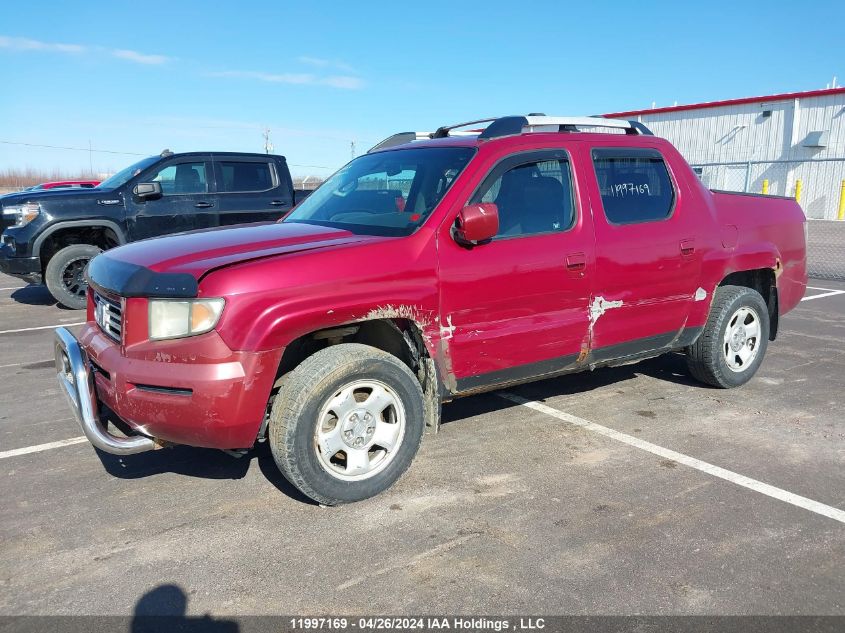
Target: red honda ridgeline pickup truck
{"x": 435, "y": 266}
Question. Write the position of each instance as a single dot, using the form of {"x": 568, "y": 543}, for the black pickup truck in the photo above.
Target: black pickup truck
{"x": 49, "y": 236}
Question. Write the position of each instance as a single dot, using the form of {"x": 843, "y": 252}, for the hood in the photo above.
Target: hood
{"x": 46, "y": 195}
{"x": 172, "y": 266}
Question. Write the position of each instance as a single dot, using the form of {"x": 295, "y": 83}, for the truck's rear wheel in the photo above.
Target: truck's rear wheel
{"x": 347, "y": 423}
{"x": 733, "y": 343}
{"x": 65, "y": 274}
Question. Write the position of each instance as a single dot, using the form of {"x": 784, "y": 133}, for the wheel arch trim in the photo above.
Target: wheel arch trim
{"x": 72, "y": 224}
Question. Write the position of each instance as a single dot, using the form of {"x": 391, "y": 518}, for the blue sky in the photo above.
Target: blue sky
{"x": 139, "y": 77}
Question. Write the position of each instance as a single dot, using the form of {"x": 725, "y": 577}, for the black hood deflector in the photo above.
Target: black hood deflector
{"x": 131, "y": 280}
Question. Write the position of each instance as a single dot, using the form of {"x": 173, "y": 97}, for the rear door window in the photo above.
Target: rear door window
{"x": 635, "y": 185}
{"x": 244, "y": 176}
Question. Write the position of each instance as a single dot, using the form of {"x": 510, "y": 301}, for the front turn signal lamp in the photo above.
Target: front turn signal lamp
{"x": 178, "y": 319}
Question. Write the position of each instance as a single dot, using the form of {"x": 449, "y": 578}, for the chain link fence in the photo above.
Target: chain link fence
{"x": 819, "y": 187}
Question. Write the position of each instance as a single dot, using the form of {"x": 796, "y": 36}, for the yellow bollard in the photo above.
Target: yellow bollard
{"x": 841, "y": 215}
{"x": 798, "y": 186}
{"x": 766, "y": 187}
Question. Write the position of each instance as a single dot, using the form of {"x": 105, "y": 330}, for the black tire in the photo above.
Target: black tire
{"x": 706, "y": 358}
{"x": 64, "y": 274}
{"x": 297, "y": 407}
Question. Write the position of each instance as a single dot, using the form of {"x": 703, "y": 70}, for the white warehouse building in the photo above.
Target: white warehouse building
{"x": 786, "y": 144}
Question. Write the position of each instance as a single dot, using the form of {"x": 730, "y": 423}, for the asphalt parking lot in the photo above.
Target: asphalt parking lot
{"x": 518, "y": 505}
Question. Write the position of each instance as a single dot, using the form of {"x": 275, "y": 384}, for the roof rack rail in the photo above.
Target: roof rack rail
{"x": 443, "y": 132}
{"x": 400, "y": 139}
{"x": 512, "y": 125}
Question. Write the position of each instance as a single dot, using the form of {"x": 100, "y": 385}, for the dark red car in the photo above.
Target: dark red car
{"x": 65, "y": 184}
{"x": 423, "y": 271}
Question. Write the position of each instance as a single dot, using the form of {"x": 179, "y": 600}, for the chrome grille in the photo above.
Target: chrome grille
{"x": 109, "y": 315}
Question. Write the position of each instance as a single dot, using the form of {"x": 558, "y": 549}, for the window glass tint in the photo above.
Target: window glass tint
{"x": 532, "y": 198}
{"x": 635, "y": 185}
{"x": 242, "y": 176}
{"x": 384, "y": 193}
{"x": 396, "y": 185}
{"x": 123, "y": 176}
{"x": 182, "y": 178}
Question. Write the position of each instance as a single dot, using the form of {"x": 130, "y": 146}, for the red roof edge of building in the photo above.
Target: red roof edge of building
{"x": 729, "y": 102}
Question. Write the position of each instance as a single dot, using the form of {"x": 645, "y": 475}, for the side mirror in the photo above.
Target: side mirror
{"x": 476, "y": 223}
{"x": 147, "y": 190}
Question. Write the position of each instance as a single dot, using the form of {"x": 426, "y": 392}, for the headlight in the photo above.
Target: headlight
{"x": 176, "y": 319}
{"x": 24, "y": 213}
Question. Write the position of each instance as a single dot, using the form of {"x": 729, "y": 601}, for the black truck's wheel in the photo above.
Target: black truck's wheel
{"x": 64, "y": 275}
{"x": 347, "y": 423}
{"x": 731, "y": 348}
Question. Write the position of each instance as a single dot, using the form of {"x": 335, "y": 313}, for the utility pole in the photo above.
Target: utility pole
{"x": 352, "y": 149}
{"x": 90, "y": 159}
{"x": 268, "y": 146}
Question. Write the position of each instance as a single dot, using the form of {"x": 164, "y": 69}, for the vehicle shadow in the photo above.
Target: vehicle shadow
{"x": 203, "y": 463}
{"x": 33, "y": 295}
{"x": 208, "y": 463}
{"x": 669, "y": 368}
{"x": 164, "y": 609}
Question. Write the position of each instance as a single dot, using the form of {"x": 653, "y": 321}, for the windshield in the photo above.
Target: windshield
{"x": 124, "y": 175}
{"x": 388, "y": 193}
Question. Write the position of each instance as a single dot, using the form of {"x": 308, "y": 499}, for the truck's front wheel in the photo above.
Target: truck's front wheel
{"x": 65, "y": 274}
{"x": 346, "y": 423}
{"x": 731, "y": 347}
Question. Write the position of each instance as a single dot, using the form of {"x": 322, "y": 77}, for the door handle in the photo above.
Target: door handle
{"x": 278, "y": 203}
{"x": 204, "y": 205}
{"x": 687, "y": 247}
{"x": 576, "y": 261}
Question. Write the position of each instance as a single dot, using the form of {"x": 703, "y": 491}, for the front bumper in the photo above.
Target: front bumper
{"x": 193, "y": 391}
{"x": 76, "y": 382}
{"x": 26, "y": 268}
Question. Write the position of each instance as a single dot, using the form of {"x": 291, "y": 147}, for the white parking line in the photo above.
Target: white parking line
{"x": 740, "y": 480}
{"x": 43, "y": 327}
{"x": 29, "y": 362}
{"x": 14, "y": 288}
{"x": 831, "y": 293}
{"x": 43, "y": 447}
